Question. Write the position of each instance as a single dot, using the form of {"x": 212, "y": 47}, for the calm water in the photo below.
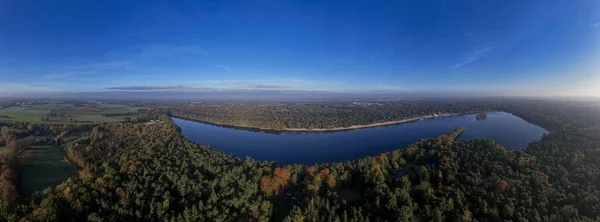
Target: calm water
{"x": 310, "y": 147}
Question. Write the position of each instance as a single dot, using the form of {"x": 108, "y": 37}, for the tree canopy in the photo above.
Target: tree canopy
{"x": 133, "y": 171}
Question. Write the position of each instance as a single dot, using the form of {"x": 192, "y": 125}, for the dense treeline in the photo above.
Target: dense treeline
{"x": 119, "y": 114}
{"x": 132, "y": 171}
{"x": 317, "y": 115}
{"x": 556, "y": 115}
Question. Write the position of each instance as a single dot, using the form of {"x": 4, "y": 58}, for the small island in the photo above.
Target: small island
{"x": 481, "y": 116}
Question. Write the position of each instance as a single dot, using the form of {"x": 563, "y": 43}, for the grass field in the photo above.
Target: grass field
{"x": 97, "y": 118}
{"x": 40, "y": 167}
{"x": 24, "y": 114}
{"x": 88, "y": 113}
{"x": 116, "y": 108}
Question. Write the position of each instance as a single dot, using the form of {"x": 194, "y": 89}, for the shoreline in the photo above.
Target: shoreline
{"x": 321, "y": 129}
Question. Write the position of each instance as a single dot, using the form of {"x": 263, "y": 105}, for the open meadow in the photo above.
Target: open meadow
{"x": 40, "y": 167}
{"x": 23, "y": 114}
{"x": 67, "y": 113}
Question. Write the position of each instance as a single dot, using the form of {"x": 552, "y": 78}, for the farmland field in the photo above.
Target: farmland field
{"x": 63, "y": 113}
{"x": 97, "y": 118}
{"x": 40, "y": 167}
{"x": 24, "y": 114}
{"x": 117, "y": 108}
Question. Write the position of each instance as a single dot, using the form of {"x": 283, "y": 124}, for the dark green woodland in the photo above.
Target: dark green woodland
{"x": 130, "y": 171}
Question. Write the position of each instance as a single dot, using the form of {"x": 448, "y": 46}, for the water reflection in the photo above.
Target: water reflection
{"x": 316, "y": 147}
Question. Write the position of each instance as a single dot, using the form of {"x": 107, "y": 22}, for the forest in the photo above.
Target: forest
{"x": 134, "y": 171}
{"x": 317, "y": 115}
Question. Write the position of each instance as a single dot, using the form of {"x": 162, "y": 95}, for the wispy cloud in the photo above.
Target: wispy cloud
{"x": 150, "y": 52}
{"x": 85, "y": 70}
{"x": 9, "y": 88}
{"x": 280, "y": 85}
{"x": 210, "y": 87}
{"x": 237, "y": 85}
{"x": 265, "y": 84}
{"x": 120, "y": 60}
{"x": 261, "y": 86}
{"x": 170, "y": 50}
{"x": 146, "y": 88}
{"x": 595, "y": 25}
{"x": 473, "y": 56}
{"x": 223, "y": 67}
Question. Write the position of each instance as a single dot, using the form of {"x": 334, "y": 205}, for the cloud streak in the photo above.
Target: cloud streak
{"x": 145, "y": 88}
{"x": 149, "y": 51}
{"x": 170, "y": 50}
{"x": 471, "y": 57}
{"x": 87, "y": 69}
{"x": 122, "y": 60}
{"x": 266, "y": 85}
{"x": 11, "y": 88}
{"x": 199, "y": 87}
{"x": 223, "y": 67}
{"x": 261, "y": 86}
{"x": 595, "y": 25}
{"x": 242, "y": 85}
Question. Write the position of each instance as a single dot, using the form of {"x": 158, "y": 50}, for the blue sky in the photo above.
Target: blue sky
{"x": 401, "y": 46}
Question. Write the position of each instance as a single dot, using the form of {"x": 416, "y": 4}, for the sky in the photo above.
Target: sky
{"x": 511, "y": 47}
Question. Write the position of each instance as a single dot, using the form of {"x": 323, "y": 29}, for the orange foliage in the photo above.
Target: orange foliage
{"x": 9, "y": 192}
{"x": 542, "y": 176}
{"x": 467, "y": 216}
{"x": 8, "y": 175}
{"x": 9, "y": 189}
{"x": 67, "y": 191}
{"x": 325, "y": 175}
{"x": 85, "y": 172}
{"x": 311, "y": 171}
{"x": 440, "y": 177}
{"x": 254, "y": 210}
{"x": 120, "y": 192}
{"x": 267, "y": 186}
{"x": 376, "y": 166}
{"x": 282, "y": 174}
{"x": 331, "y": 181}
{"x": 270, "y": 185}
{"x": 501, "y": 187}
{"x": 383, "y": 158}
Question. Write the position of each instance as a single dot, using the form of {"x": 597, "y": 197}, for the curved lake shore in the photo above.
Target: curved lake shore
{"x": 320, "y": 129}
{"x": 308, "y": 147}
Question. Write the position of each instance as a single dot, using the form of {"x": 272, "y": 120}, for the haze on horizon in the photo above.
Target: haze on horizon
{"x": 217, "y": 48}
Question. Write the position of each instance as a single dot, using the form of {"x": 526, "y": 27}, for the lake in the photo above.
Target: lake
{"x": 317, "y": 147}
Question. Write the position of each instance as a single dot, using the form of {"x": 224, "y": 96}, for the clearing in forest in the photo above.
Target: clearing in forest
{"x": 40, "y": 167}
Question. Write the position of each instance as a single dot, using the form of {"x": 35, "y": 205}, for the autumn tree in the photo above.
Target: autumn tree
{"x": 271, "y": 185}
{"x": 9, "y": 188}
